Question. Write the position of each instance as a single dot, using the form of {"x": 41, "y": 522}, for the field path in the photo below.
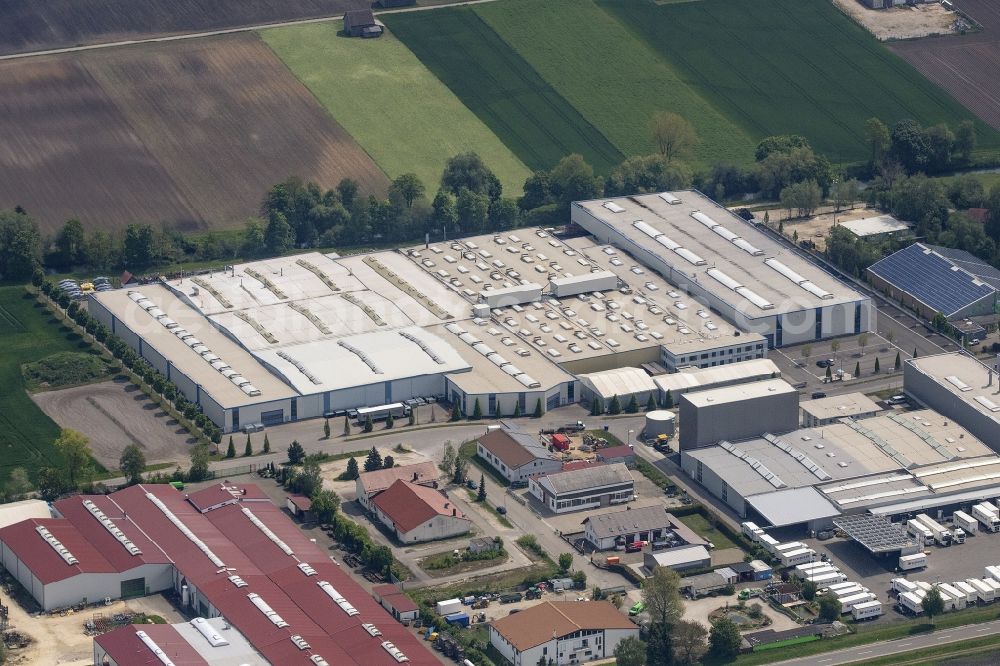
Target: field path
{"x": 222, "y": 31}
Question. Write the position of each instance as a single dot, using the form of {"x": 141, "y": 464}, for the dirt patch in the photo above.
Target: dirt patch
{"x": 114, "y": 415}
{"x": 189, "y": 134}
{"x": 60, "y": 639}
{"x": 817, "y": 227}
{"x": 906, "y": 22}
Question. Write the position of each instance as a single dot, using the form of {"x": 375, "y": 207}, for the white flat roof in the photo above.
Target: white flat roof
{"x": 739, "y": 392}
{"x": 707, "y": 242}
{"x": 849, "y": 404}
{"x": 695, "y": 378}
{"x": 965, "y": 378}
{"x": 875, "y": 226}
{"x": 793, "y": 506}
{"x": 621, "y": 382}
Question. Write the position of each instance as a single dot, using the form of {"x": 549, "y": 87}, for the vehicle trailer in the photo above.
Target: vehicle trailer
{"x": 963, "y": 520}
{"x": 987, "y": 517}
{"x": 914, "y": 561}
{"x": 942, "y": 536}
{"x": 867, "y": 610}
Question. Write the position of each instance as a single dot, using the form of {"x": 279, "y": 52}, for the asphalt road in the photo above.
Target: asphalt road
{"x": 864, "y": 653}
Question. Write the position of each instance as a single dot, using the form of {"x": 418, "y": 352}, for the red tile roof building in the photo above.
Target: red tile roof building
{"x": 244, "y": 560}
{"x": 417, "y": 513}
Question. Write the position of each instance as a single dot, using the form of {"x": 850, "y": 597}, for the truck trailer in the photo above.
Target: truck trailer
{"x": 942, "y": 535}
{"x": 848, "y": 603}
{"x": 920, "y": 531}
{"x": 915, "y": 561}
{"x": 751, "y": 531}
{"x": 867, "y": 610}
{"x": 768, "y": 541}
{"x": 793, "y": 558}
{"x": 968, "y": 590}
{"x": 902, "y": 585}
{"x": 827, "y": 578}
{"x": 991, "y": 571}
{"x": 805, "y": 568}
{"x": 986, "y": 517}
{"x": 956, "y": 598}
{"x": 963, "y": 520}
{"x": 788, "y": 546}
{"x": 845, "y": 592}
{"x": 911, "y": 601}
{"x": 983, "y": 590}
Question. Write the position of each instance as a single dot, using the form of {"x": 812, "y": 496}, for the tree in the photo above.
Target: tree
{"x": 572, "y": 179}
{"x": 447, "y": 464}
{"x": 347, "y": 426}
{"x": 805, "y": 351}
{"x": 388, "y": 462}
{"x": 407, "y": 188}
{"x": 456, "y": 411}
{"x": 889, "y": 336}
{"x": 630, "y": 651}
{"x": 835, "y": 346}
{"x": 74, "y": 449}
{"x": 596, "y": 409}
{"x": 804, "y": 197}
{"x": 899, "y": 362}
{"x": 373, "y": 461}
{"x": 310, "y": 479}
{"x": 199, "y": 462}
{"x": 473, "y": 210}
{"x": 138, "y": 247}
{"x": 914, "y": 352}
{"x": 296, "y": 453}
{"x": 461, "y": 468}
{"x": 844, "y": 192}
{"x": 661, "y": 594}
{"x": 477, "y": 410}
{"x": 808, "y": 590}
{"x": 380, "y": 558}
{"x": 70, "y": 243}
{"x": 247, "y": 448}
{"x": 369, "y": 425}
{"x": 724, "y": 639}
{"x": 278, "y": 235}
{"x": 326, "y": 428}
{"x": 444, "y": 213}
{"x": 231, "y": 451}
{"x": 660, "y": 647}
{"x": 325, "y": 504}
{"x": 647, "y": 173}
{"x": 932, "y": 604}
{"x": 517, "y": 409}
{"x": 651, "y": 402}
{"x": 689, "y": 641}
{"x": 857, "y": 369}
{"x": 267, "y": 445}
{"x": 565, "y": 561}
{"x": 132, "y": 463}
{"x": 52, "y": 483}
{"x": 829, "y": 607}
{"x": 633, "y": 405}
{"x": 481, "y": 495}
{"x": 20, "y": 245}
{"x": 468, "y": 171}
{"x": 829, "y": 373}
{"x": 863, "y": 342}
{"x": 254, "y": 243}
{"x": 668, "y": 400}
{"x": 348, "y": 190}
{"x": 965, "y": 140}
{"x": 910, "y": 145}
{"x": 412, "y": 418}
{"x": 352, "y": 470}
{"x": 616, "y": 406}
{"x": 877, "y": 136}
{"x": 877, "y": 368}
{"x": 538, "y": 409}
{"x": 674, "y": 136}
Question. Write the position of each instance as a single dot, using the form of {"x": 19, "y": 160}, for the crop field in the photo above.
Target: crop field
{"x": 30, "y": 25}
{"x": 399, "y": 112}
{"x": 498, "y": 85}
{"x": 785, "y": 66}
{"x": 28, "y": 333}
{"x": 612, "y": 77}
{"x": 964, "y": 65}
{"x": 188, "y": 134}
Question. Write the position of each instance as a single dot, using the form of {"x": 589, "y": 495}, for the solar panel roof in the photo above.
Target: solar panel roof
{"x": 969, "y": 262}
{"x": 876, "y": 533}
{"x": 931, "y": 279}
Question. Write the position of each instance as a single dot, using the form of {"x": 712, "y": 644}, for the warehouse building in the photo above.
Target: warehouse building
{"x": 516, "y": 455}
{"x": 690, "y": 380}
{"x": 960, "y": 387}
{"x": 737, "y": 412}
{"x": 622, "y": 383}
{"x": 682, "y": 558}
{"x": 650, "y": 523}
{"x": 930, "y": 282}
{"x": 582, "y": 488}
{"x": 226, "y": 552}
{"x": 824, "y": 411}
{"x": 725, "y": 262}
{"x": 567, "y": 632}
{"x": 416, "y": 513}
{"x": 199, "y": 642}
{"x": 877, "y": 227}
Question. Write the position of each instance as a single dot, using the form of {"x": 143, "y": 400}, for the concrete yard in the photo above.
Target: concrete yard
{"x": 907, "y": 22}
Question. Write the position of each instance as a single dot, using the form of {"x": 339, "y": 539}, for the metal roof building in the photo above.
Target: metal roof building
{"x": 691, "y": 380}
{"x": 921, "y": 277}
{"x": 824, "y": 411}
{"x": 622, "y": 383}
{"x": 958, "y": 386}
{"x": 584, "y": 488}
{"x": 879, "y": 225}
{"x": 749, "y": 277}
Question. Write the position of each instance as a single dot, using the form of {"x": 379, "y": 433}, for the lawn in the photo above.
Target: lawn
{"x": 399, "y": 112}
{"x": 28, "y": 333}
{"x": 66, "y": 368}
{"x": 784, "y": 67}
{"x": 498, "y": 85}
{"x": 702, "y": 528}
{"x": 612, "y": 77}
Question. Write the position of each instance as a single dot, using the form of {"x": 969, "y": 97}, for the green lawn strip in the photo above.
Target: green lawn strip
{"x": 651, "y": 472}
{"x": 867, "y": 634}
{"x": 65, "y": 369}
{"x": 704, "y": 529}
{"x": 785, "y": 67}
{"x": 613, "y": 78}
{"x": 473, "y": 497}
{"x": 500, "y": 87}
{"x": 399, "y": 112}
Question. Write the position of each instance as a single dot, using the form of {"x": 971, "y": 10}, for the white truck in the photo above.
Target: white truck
{"x": 789, "y": 546}
{"x": 914, "y": 561}
{"x": 848, "y": 603}
{"x": 953, "y": 598}
{"x": 917, "y": 529}
{"x": 967, "y": 523}
{"x": 791, "y": 558}
{"x": 751, "y": 531}
{"x": 942, "y": 535}
{"x": 768, "y": 542}
{"x": 986, "y": 515}
{"x": 901, "y": 585}
{"x": 867, "y": 610}
{"x": 983, "y": 590}
{"x": 812, "y": 566}
{"x": 992, "y": 571}
{"x": 825, "y": 579}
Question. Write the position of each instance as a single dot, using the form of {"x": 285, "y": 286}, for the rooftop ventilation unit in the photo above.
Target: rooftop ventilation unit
{"x": 268, "y": 612}
{"x": 237, "y": 581}
{"x": 690, "y": 256}
{"x": 798, "y": 279}
{"x": 112, "y": 528}
{"x": 941, "y": 449}
{"x": 57, "y": 545}
{"x": 817, "y": 471}
{"x": 307, "y": 569}
{"x": 185, "y": 530}
{"x": 987, "y": 403}
{"x": 424, "y": 346}
{"x": 958, "y": 383}
{"x": 765, "y": 473}
{"x": 669, "y": 198}
{"x": 318, "y": 660}
{"x": 900, "y": 459}
{"x": 154, "y": 648}
{"x": 371, "y": 629}
{"x": 755, "y": 298}
{"x": 267, "y": 531}
{"x": 299, "y": 366}
{"x": 613, "y": 207}
{"x": 396, "y": 653}
{"x": 300, "y": 642}
{"x": 208, "y": 631}
{"x": 338, "y": 598}
{"x": 361, "y": 355}
{"x": 719, "y": 276}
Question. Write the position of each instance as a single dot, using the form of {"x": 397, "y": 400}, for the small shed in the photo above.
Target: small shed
{"x": 617, "y": 454}
{"x": 361, "y": 23}
{"x": 729, "y": 575}
{"x": 482, "y": 545}
{"x": 785, "y": 593}
{"x": 300, "y": 506}
{"x": 560, "y": 441}
{"x": 743, "y": 569}
{"x": 761, "y": 570}
{"x": 703, "y": 584}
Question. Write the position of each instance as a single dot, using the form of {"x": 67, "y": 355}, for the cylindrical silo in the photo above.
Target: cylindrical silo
{"x": 660, "y": 422}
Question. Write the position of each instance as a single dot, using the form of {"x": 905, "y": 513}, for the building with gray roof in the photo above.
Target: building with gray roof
{"x": 737, "y": 412}
{"x": 958, "y": 386}
{"x": 584, "y": 488}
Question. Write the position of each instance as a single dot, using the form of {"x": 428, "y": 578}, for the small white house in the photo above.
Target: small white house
{"x": 516, "y": 455}
{"x": 416, "y": 513}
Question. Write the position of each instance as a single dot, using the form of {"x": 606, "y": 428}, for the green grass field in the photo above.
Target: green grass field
{"x": 785, "y": 66}
{"x": 28, "y": 332}
{"x": 499, "y": 86}
{"x": 612, "y": 77}
{"x": 399, "y": 112}
{"x": 64, "y": 369}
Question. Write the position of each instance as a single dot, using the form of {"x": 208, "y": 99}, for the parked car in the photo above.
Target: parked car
{"x": 636, "y": 608}
{"x": 897, "y": 400}
{"x": 634, "y": 547}
{"x": 825, "y": 363}
{"x": 502, "y": 510}
{"x": 818, "y": 394}
{"x": 472, "y": 484}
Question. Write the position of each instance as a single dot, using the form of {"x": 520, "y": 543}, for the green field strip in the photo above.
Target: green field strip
{"x": 502, "y": 88}
{"x": 394, "y": 107}
{"x": 784, "y": 67}
{"x": 612, "y": 77}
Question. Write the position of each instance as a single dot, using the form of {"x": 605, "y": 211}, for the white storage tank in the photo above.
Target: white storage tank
{"x": 660, "y": 422}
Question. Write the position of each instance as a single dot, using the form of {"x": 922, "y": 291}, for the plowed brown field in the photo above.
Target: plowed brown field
{"x": 187, "y": 133}
{"x": 33, "y": 25}
{"x": 964, "y": 65}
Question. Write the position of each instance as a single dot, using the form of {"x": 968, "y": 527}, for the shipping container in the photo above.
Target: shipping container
{"x": 461, "y": 619}
{"x": 562, "y": 287}
{"x": 795, "y": 557}
{"x": 448, "y": 606}
{"x": 915, "y": 561}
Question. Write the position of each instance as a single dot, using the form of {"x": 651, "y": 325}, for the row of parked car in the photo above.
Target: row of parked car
{"x": 78, "y": 290}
